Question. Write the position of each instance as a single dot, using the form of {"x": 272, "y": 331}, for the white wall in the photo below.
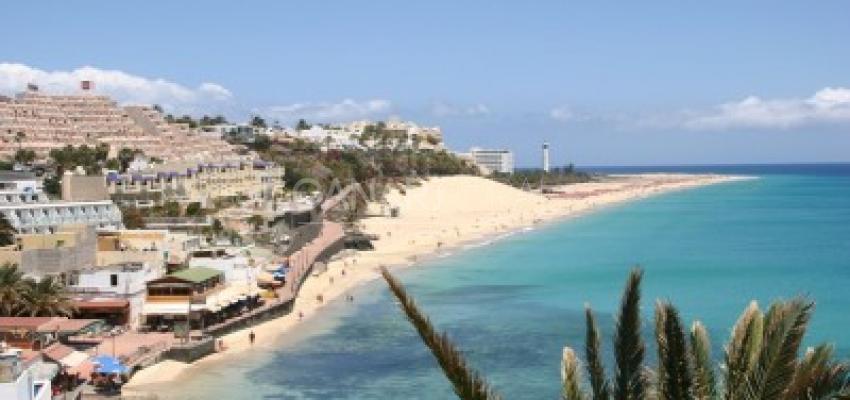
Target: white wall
{"x": 21, "y": 389}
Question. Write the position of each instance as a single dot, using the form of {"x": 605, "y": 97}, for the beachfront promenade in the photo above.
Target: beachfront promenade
{"x": 301, "y": 263}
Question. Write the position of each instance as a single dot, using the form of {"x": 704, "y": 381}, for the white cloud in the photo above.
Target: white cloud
{"x": 828, "y": 105}
{"x": 346, "y": 109}
{"x": 562, "y": 113}
{"x": 122, "y": 86}
{"x": 441, "y": 109}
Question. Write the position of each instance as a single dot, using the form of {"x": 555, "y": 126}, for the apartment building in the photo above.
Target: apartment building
{"x": 193, "y": 182}
{"x": 43, "y": 122}
{"x": 29, "y": 210}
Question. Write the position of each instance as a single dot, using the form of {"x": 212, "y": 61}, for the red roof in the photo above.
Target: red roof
{"x": 66, "y": 325}
{"x": 56, "y": 351}
{"x": 44, "y": 324}
{"x": 24, "y": 322}
{"x": 89, "y": 304}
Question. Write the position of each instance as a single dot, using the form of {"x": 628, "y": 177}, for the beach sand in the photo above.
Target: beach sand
{"x": 438, "y": 215}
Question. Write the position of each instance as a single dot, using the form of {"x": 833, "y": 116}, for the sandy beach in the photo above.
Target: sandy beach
{"x": 437, "y": 216}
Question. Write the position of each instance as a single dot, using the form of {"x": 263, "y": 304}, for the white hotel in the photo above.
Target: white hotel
{"x": 493, "y": 161}
{"x": 28, "y": 210}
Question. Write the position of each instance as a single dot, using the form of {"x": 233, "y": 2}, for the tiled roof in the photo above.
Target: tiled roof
{"x": 24, "y": 322}
{"x": 57, "y": 351}
{"x": 66, "y": 325}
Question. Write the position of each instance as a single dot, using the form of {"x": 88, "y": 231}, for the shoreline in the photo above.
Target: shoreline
{"x": 351, "y": 270}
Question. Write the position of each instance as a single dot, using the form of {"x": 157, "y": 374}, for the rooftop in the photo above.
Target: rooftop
{"x": 196, "y": 274}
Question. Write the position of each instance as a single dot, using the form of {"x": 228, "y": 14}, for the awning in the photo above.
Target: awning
{"x": 165, "y": 309}
{"x": 212, "y": 307}
{"x": 101, "y": 304}
{"x": 85, "y": 369}
{"x": 109, "y": 365}
{"x": 74, "y": 359}
{"x": 265, "y": 277}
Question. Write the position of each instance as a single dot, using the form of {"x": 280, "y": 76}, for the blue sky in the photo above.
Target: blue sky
{"x": 605, "y": 83}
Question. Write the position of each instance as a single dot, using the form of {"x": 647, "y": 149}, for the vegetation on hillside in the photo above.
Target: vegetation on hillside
{"x": 205, "y": 120}
{"x": 761, "y": 359}
{"x": 304, "y": 160}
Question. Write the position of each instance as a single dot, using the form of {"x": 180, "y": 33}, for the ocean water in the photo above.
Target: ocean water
{"x": 512, "y": 305}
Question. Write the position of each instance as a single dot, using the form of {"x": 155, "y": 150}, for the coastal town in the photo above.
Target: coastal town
{"x": 135, "y": 241}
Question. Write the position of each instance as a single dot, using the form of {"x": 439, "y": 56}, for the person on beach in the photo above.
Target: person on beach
{"x": 300, "y": 315}
{"x": 252, "y": 337}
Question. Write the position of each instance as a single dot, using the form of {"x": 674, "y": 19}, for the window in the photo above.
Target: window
{"x": 113, "y": 280}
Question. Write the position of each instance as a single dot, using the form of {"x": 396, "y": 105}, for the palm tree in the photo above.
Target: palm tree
{"x": 19, "y": 137}
{"x": 12, "y": 288}
{"x": 45, "y": 298}
{"x": 7, "y": 231}
{"x": 760, "y": 361}
{"x": 256, "y": 221}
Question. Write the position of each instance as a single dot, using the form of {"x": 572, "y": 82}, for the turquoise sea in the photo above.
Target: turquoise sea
{"x": 513, "y": 304}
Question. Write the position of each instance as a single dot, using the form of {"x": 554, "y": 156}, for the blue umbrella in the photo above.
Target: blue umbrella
{"x": 109, "y": 365}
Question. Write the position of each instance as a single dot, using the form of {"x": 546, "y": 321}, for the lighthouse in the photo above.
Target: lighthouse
{"x": 545, "y": 157}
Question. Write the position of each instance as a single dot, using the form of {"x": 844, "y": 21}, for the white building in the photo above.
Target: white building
{"x": 237, "y": 268}
{"x": 91, "y": 286}
{"x": 493, "y": 160}
{"x": 29, "y": 210}
{"x": 19, "y": 182}
{"x": 331, "y": 137}
{"x": 396, "y": 134}
{"x": 19, "y": 380}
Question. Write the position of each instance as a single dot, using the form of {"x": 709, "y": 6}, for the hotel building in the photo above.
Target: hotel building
{"x": 192, "y": 182}
{"x": 493, "y": 161}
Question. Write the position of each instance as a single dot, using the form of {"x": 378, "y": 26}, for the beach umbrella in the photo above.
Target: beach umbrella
{"x": 109, "y": 365}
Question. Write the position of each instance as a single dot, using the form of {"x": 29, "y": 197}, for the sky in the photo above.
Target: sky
{"x": 605, "y": 83}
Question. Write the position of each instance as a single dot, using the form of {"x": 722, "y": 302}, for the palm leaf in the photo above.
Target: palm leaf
{"x": 784, "y": 327}
{"x": 595, "y": 370}
{"x": 630, "y": 383}
{"x": 705, "y": 384}
{"x": 817, "y": 376}
{"x": 742, "y": 350}
{"x": 467, "y": 383}
{"x": 570, "y": 376}
{"x": 660, "y": 339}
{"x": 674, "y": 375}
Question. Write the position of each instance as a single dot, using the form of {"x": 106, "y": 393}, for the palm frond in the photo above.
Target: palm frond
{"x": 570, "y": 376}
{"x": 742, "y": 351}
{"x": 674, "y": 372}
{"x": 661, "y": 347}
{"x": 467, "y": 383}
{"x": 784, "y": 327}
{"x": 600, "y": 389}
{"x": 630, "y": 383}
{"x": 817, "y": 376}
{"x": 705, "y": 383}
